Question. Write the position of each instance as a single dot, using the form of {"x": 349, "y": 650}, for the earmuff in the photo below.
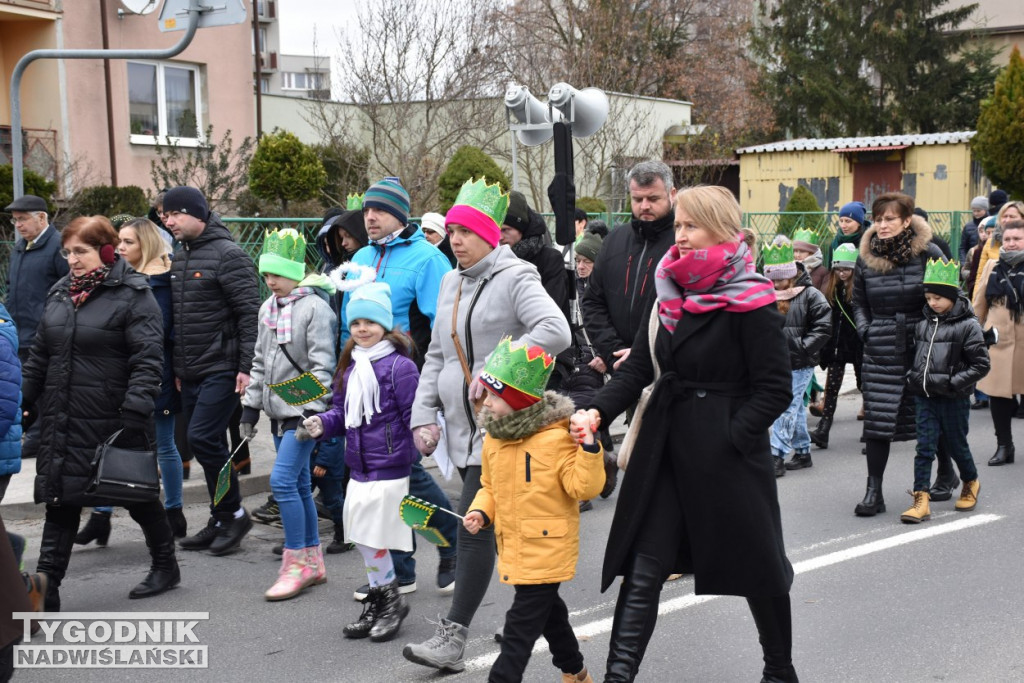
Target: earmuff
{"x": 107, "y": 254}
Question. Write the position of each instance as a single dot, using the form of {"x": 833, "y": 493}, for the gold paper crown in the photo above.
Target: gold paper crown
{"x": 488, "y": 199}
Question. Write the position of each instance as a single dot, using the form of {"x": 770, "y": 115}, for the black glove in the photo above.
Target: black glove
{"x": 134, "y": 428}
{"x": 29, "y": 416}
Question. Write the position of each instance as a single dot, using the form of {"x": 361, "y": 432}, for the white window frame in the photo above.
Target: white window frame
{"x": 288, "y": 80}
{"x": 161, "y": 107}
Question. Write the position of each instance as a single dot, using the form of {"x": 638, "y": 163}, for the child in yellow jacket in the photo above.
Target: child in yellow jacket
{"x": 534, "y": 475}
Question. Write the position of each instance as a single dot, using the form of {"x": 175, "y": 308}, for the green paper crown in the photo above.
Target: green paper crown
{"x": 488, "y": 199}
{"x": 942, "y": 272}
{"x": 355, "y": 202}
{"x": 777, "y": 254}
{"x": 805, "y": 235}
{"x": 844, "y": 253}
{"x": 284, "y": 254}
{"x": 522, "y": 367}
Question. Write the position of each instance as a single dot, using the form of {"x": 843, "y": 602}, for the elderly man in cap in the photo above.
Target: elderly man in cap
{"x": 36, "y": 264}
{"x": 403, "y": 258}
{"x": 216, "y": 301}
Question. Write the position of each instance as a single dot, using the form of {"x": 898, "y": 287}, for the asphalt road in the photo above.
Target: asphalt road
{"x": 873, "y": 599}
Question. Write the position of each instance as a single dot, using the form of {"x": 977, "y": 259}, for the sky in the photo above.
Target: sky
{"x": 300, "y": 20}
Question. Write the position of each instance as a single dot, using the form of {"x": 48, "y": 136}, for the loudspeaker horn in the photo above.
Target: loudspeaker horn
{"x": 590, "y": 105}
{"x": 527, "y": 109}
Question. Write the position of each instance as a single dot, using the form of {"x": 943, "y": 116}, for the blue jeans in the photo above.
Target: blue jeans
{"x": 208, "y": 405}
{"x": 422, "y": 485}
{"x": 169, "y": 460}
{"x": 790, "y": 429}
{"x": 289, "y": 481}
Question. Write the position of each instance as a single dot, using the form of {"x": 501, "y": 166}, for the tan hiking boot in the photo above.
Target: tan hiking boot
{"x": 581, "y": 677}
{"x": 968, "y": 499}
{"x": 920, "y": 511}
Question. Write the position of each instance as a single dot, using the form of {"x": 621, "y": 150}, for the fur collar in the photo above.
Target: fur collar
{"x": 922, "y": 238}
{"x": 550, "y": 409}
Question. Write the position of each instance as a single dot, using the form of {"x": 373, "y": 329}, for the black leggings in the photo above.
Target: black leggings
{"x": 1003, "y": 410}
{"x": 476, "y": 555}
{"x": 833, "y": 383}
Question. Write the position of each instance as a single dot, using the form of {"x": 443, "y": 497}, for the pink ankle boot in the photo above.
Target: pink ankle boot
{"x": 292, "y": 578}
{"x": 315, "y": 563}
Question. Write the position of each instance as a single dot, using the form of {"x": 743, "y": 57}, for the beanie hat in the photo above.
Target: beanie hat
{"x": 589, "y": 245}
{"x": 980, "y": 203}
{"x": 371, "y": 301}
{"x": 481, "y": 209}
{"x": 433, "y": 222}
{"x": 284, "y": 254}
{"x": 388, "y": 195}
{"x": 187, "y": 200}
{"x": 844, "y": 256}
{"x": 854, "y": 210}
{"x": 518, "y": 215}
{"x": 942, "y": 277}
{"x": 805, "y": 240}
{"x": 598, "y": 227}
{"x": 518, "y": 373}
{"x": 918, "y": 211}
{"x": 779, "y": 263}
{"x": 120, "y": 219}
{"x": 996, "y": 199}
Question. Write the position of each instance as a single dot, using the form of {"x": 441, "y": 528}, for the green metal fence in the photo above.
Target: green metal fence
{"x": 248, "y": 232}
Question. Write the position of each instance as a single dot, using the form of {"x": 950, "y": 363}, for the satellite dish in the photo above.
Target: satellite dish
{"x": 140, "y": 6}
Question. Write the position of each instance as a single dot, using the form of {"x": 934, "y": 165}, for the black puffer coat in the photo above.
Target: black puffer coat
{"x": 216, "y": 302}
{"x": 887, "y": 304}
{"x": 950, "y": 354}
{"x": 807, "y": 328}
{"x": 87, "y": 366}
{"x": 844, "y": 346}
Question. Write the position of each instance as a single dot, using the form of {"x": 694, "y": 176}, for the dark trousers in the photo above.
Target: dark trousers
{"x": 477, "y": 553}
{"x": 332, "y": 485}
{"x": 536, "y": 610}
{"x": 208, "y": 405}
{"x": 942, "y": 421}
{"x": 422, "y": 485}
{"x": 1003, "y": 410}
{"x": 833, "y": 382}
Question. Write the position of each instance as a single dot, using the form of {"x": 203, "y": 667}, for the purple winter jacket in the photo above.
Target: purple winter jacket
{"x": 382, "y": 449}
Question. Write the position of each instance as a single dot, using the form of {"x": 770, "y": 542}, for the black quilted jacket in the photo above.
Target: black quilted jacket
{"x": 808, "y": 327}
{"x": 216, "y": 302}
{"x": 950, "y": 355}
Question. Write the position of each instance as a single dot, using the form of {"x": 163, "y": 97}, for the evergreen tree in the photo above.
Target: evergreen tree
{"x": 869, "y": 67}
{"x": 802, "y": 201}
{"x": 467, "y": 163}
{"x": 999, "y": 143}
{"x": 285, "y": 169}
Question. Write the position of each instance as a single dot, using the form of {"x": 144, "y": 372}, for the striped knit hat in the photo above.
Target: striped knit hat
{"x": 388, "y": 195}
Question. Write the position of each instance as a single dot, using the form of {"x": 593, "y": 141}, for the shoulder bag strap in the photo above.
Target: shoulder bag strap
{"x": 290, "y": 359}
{"x": 463, "y": 361}
{"x": 652, "y": 336}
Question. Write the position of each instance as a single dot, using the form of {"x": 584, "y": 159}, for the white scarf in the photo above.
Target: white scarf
{"x": 362, "y": 392}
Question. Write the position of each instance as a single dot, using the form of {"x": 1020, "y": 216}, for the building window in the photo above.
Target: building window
{"x": 163, "y": 103}
{"x": 295, "y": 80}
{"x": 265, "y": 84}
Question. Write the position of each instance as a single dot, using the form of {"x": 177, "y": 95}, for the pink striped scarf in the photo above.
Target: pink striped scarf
{"x": 722, "y": 276}
{"x": 279, "y": 313}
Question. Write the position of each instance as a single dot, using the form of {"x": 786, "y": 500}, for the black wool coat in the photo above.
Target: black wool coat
{"x": 726, "y": 378}
{"x": 887, "y": 303}
{"x": 87, "y": 366}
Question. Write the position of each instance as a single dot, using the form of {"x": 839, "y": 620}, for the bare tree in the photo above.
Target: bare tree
{"x": 424, "y": 83}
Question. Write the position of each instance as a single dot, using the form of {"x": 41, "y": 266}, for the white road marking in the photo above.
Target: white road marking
{"x": 602, "y": 626}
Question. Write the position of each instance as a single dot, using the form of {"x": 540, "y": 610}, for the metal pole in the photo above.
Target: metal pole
{"x": 194, "y": 10}
{"x": 112, "y": 148}
{"x": 258, "y": 68}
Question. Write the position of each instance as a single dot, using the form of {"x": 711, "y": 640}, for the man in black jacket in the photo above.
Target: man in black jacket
{"x": 621, "y": 290}
{"x": 215, "y": 299}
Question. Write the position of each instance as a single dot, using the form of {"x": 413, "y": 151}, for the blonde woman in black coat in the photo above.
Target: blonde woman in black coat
{"x": 94, "y": 369}
{"x": 703, "y": 444}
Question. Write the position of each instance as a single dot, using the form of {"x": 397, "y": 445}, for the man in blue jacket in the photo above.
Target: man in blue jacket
{"x": 36, "y": 264}
{"x": 413, "y": 268}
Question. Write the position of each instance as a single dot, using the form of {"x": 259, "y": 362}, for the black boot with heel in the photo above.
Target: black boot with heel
{"x": 873, "y": 502}
{"x": 96, "y": 529}
{"x": 775, "y": 632}
{"x": 636, "y": 612}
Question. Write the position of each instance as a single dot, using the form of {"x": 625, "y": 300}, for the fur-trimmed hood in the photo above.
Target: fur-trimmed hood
{"x": 922, "y": 238}
{"x": 552, "y": 408}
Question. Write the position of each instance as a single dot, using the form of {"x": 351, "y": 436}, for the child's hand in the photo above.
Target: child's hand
{"x": 582, "y": 427}
{"x": 473, "y": 522}
{"x": 314, "y": 425}
{"x": 319, "y": 471}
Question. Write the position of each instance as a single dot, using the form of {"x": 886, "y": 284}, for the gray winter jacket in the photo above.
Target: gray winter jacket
{"x": 314, "y": 329}
{"x": 501, "y": 296}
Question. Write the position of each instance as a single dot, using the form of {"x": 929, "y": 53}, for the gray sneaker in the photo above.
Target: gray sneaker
{"x": 444, "y": 650}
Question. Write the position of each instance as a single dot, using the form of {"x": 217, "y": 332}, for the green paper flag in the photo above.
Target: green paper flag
{"x": 299, "y": 390}
{"x": 416, "y": 513}
{"x": 223, "y": 482}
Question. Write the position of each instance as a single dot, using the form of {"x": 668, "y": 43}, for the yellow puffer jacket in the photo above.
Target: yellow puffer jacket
{"x": 530, "y": 491}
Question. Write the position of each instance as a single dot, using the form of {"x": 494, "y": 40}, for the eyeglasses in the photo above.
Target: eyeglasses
{"x": 888, "y": 219}
{"x": 77, "y": 252}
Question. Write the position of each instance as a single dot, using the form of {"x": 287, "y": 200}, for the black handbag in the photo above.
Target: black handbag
{"x": 123, "y": 475}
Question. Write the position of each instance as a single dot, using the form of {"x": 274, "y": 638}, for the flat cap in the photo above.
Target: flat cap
{"x": 27, "y": 202}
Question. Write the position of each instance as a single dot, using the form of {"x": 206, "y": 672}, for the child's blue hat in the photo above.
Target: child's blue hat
{"x": 372, "y": 301}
